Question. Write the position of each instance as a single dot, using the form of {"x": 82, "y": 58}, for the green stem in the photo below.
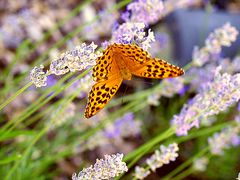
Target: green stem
{"x": 9, "y": 100}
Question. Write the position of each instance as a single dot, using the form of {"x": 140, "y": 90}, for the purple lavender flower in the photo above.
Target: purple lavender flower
{"x": 228, "y": 137}
{"x": 133, "y": 33}
{"x": 157, "y": 160}
{"x": 223, "y": 36}
{"x": 110, "y": 167}
{"x": 163, "y": 156}
{"x": 124, "y": 127}
{"x": 200, "y": 164}
{"x": 146, "y": 11}
{"x": 215, "y": 97}
{"x": 141, "y": 173}
{"x": 75, "y": 60}
{"x": 38, "y": 76}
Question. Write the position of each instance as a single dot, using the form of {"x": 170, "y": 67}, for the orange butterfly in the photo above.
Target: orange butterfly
{"x": 119, "y": 62}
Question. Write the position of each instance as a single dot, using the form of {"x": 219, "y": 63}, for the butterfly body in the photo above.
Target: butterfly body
{"x": 119, "y": 62}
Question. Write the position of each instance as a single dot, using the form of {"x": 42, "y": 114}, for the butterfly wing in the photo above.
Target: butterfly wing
{"x": 140, "y": 63}
{"x": 108, "y": 80}
{"x": 105, "y": 66}
{"x": 101, "y": 93}
{"x": 156, "y": 68}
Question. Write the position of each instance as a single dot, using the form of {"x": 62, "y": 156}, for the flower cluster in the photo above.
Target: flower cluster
{"x": 215, "y": 97}
{"x": 158, "y": 159}
{"x": 38, "y": 76}
{"x": 151, "y": 11}
{"x": 146, "y": 11}
{"x": 75, "y": 60}
{"x": 124, "y": 127}
{"x": 200, "y": 164}
{"x": 228, "y": 137}
{"x": 223, "y": 36}
{"x": 163, "y": 156}
{"x": 107, "y": 168}
{"x": 133, "y": 33}
{"x": 15, "y": 27}
{"x": 197, "y": 76}
{"x": 141, "y": 173}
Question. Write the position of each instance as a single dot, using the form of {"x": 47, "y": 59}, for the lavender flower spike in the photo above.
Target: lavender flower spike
{"x": 38, "y": 76}
{"x": 107, "y": 168}
{"x": 146, "y": 11}
{"x": 133, "y": 33}
{"x": 228, "y": 137}
{"x": 75, "y": 60}
{"x": 223, "y": 36}
{"x": 213, "y": 98}
{"x": 141, "y": 173}
{"x": 163, "y": 156}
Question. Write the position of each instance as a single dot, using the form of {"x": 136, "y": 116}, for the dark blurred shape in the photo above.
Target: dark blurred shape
{"x": 190, "y": 28}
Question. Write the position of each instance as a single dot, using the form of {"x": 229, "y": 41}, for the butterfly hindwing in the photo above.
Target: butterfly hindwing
{"x": 101, "y": 93}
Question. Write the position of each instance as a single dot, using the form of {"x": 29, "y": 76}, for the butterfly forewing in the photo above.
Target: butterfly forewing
{"x": 105, "y": 66}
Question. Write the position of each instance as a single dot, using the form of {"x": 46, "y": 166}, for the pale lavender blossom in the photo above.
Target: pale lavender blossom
{"x": 200, "y": 164}
{"x": 153, "y": 99}
{"x": 123, "y": 127}
{"x": 172, "y": 86}
{"x": 215, "y": 97}
{"x": 151, "y": 11}
{"x": 38, "y": 76}
{"x": 15, "y": 28}
{"x": 75, "y": 60}
{"x": 228, "y": 137}
{"x": 163, "y": 156}
{"x": 110, "y": 167}
{"x": 223, "y": 36}
{"x": 11, "y": 32}
{"x": 133, "y": 33}
{"x": 141, "y": 173}
{"x": 198, "y": 77}
{"x": 146, "y": 11}
{"x": 238, "y": 178}
{"x": 228, "y": 65}
{"x": 160, "y": 157}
